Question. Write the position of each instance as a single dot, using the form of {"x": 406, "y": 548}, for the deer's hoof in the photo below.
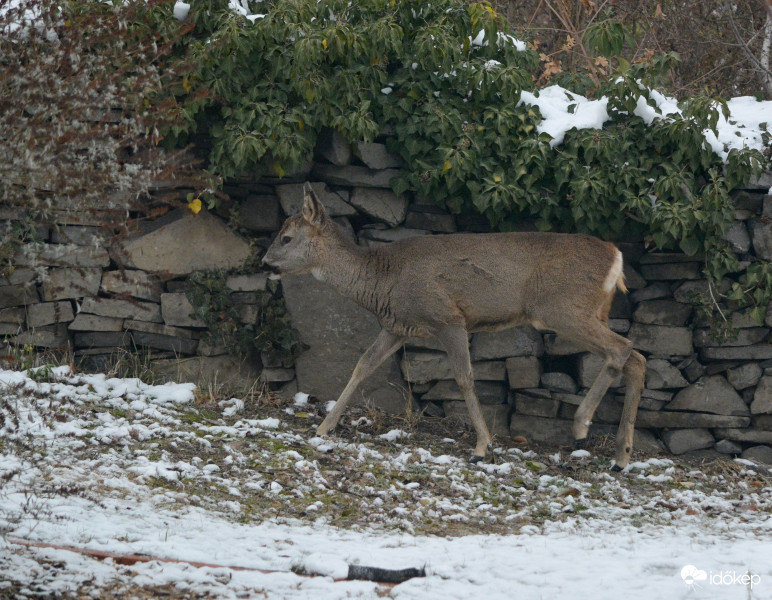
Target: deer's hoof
{"x": 476, "y": 459}
{"x": 617, "y": 468}
{"x": 580, "y": 444}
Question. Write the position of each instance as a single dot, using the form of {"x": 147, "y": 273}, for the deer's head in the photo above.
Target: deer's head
{"x": 295, "y": 247}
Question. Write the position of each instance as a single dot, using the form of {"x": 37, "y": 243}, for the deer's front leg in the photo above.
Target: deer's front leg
{"x": 382, "y": 348}
{"x": 455, "y": 340}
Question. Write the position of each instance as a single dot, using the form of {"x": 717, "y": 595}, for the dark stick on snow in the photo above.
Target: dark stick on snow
{"x": 383, "y": 575}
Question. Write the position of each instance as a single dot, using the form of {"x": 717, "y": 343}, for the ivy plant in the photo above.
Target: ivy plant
{"x": 441, "y": 82}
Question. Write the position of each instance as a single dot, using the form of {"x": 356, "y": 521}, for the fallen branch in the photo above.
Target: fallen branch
{"x": 387, "y": 577}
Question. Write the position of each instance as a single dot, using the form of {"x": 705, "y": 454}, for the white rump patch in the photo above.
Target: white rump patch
{"x": 614, "y": 274}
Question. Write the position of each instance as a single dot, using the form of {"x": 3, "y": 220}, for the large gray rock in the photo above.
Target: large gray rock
{"x": 422, "y": 367}
{"x": 661, "y": 341}
{"x": 523, "y": 372}
{"x": 376, "y": 156}
{"x": 762, "y": 397}
{"x": 61, "y": 284}
{"x": 516, "y": 341}
{"x": 662, "y": 312}
{"x": 660, "y": 374}
{"x": 338, "y": 332}
{"x": 183, "y": 243}
{"x": 291, "y": 199}
{"x": 496, "y": 416}
{"x": 137, "y": 284}
{"x": 744, "y": 376}
{"x": 380, "y": 204}
{"x": 711, "y": 394}
{"x": 680, "y": 441}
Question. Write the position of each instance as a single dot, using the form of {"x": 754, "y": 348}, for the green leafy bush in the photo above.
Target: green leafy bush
{"x": 442, "y": 82}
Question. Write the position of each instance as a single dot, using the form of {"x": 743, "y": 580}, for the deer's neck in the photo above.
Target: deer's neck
{"x": 354, "y": 271}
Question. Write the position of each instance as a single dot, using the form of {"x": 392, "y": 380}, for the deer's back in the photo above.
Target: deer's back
{"x": 496, "y": 280}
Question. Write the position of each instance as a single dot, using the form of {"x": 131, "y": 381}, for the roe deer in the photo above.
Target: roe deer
{"x": 450, "y": 285}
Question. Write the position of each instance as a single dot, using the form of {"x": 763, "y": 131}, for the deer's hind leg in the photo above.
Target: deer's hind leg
{"x": 616, "y": 352}
{"x": 455, "y": 340}
{"x": 634, "y": 373}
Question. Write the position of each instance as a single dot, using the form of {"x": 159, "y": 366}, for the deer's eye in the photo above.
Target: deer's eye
{"x": 285, "y": 239}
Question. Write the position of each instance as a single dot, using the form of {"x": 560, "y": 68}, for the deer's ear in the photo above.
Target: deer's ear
{"x": 312, "y": 211}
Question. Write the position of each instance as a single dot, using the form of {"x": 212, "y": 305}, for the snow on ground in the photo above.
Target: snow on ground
{"x": 118, "y": 465}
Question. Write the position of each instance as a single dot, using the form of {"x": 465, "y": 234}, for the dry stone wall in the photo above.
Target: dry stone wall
{"x": 96, "y": 295}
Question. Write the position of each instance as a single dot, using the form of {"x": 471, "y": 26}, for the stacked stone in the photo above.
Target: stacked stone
{"x": 96, "y": 295}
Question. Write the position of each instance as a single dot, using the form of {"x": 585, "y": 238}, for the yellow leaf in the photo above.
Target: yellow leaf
{"x": 186, "y": 84}
{"x": 279, "y": 170}
{"x": 447, "y": 166}
{"x": 194, "y": 206}
{"x": 324, "y": 44}
{"x": 497, "y": 179}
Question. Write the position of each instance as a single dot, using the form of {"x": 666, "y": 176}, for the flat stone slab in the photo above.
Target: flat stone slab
{"x": 127, "y": 282}
{"x": 184, "y": 243}
{"x": 660, "y": 340}
{"x": 338, "y": 331}
{"x": 61, "y": 255}
{"x": 48, "y": 313}
{"x": 711, "y": 394}
{"x": 685, "y": 420}
{"x": 355, "y": 176}
{"x": 516, "y": 341}
{"x": 383, "y": 205}
{"x": 488, "y": 392}
{"x": 122, "y": 309}
{"x": 61, "y": 284}
{"x": 422, "y": 367}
